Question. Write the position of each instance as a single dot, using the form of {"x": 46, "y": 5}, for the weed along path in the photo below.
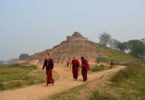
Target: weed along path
{"x": 65, "y": 82}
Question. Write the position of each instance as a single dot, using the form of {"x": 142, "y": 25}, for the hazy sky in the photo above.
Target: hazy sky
{"x": 30, "y": 26}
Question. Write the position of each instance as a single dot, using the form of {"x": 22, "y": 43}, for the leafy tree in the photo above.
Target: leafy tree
{"x": 23, "y": 56}
{"x": 114, "y": 43}
{"x": 143, "y": 40}
{"x": 105, "y": 38}
{"x": 136, "y": 48}
{"x": 123, "y": 46}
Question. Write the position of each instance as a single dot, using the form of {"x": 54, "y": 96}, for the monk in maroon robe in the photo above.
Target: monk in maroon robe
{"x": 75, "y": 68}
{"x": 48, "y": 64}
{"x": 85, "y": 68}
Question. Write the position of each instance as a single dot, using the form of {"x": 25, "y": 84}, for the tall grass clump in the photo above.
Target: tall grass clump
{"x": 131, "y": 70}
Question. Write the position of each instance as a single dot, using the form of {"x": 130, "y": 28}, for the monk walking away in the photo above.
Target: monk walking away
{"x": 48, "y": 65}
{"x": 68, "y": 63}
{"x": 75, "y": 68}
{"x": 85, "y": 68}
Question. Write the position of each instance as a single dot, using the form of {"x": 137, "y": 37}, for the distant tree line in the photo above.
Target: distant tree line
{"x": 10, "y": 61}
{"x": 133, "y": 47}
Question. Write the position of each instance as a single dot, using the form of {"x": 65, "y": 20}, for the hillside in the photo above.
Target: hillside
{"x": 78, "y": 45}
{"x": 75, "y": 45}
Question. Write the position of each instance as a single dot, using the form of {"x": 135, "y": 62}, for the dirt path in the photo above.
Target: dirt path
{"x": 65, "y": 82}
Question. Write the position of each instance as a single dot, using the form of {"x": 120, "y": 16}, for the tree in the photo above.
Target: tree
{"x": 23, "y": 56}
{"x": 113, "y": 43}
{"x": 122, "y": 46}
{"x": 136, "y": 48}
{"x": 105, "y": 38}
{"x": 143, "y": 40}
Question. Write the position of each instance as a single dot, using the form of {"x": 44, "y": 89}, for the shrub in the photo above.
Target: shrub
{"x": 97, "y": 68}
{"x": 103, "y": 59}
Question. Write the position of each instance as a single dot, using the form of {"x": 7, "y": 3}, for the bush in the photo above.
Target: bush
{"x": 103, "y": 59}
{"x": 98, "y": 68}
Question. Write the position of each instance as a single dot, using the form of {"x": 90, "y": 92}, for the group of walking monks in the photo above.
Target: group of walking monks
{"x": 48, "y": 65}
{"x": 75, "y": 68}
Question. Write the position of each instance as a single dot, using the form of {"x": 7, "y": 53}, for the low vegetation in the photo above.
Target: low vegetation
{"x": 129, "y": 84}
{"x": 70, "y": 94}
{"x": 131, "y": 79}
{"x": 101, "y": 96}
{"x": 20, "y": 75}
{"x": 97, "y": 68}
{"x": 114, "y": 55}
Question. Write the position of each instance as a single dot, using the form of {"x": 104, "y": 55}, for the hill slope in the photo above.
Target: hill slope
{"x": 78, "y": 45}
{"x": 75, "y": 45}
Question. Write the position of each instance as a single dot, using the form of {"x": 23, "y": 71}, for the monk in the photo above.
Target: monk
{"x": 85, "y": 68}
{"x": 48, "y": 64}
{"x": 67, "y": 63}
{"x": 75, "y": 68}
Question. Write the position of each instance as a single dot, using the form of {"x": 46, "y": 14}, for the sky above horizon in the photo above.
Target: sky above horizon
{"x": 30, "y": 26}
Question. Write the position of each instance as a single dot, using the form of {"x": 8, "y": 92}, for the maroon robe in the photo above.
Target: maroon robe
{"x": 75, "y": 67}
{"x": 85, "y": 67}
{"x": 49, "y": 66}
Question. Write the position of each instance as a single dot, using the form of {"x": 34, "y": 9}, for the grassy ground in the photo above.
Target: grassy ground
{"x": 133, "y": 80}
{"x": 128, "y": 84}
{"x": 18, "y": 75}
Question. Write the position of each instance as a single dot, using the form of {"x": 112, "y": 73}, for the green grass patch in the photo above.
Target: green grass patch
{"x": 103, "y": 59}
{"x": 131, "y": 82}
{"x": 14, "y": 72}
{"x": 130, "y": 71}
{"x": 97, "y": 68}
{"x": 21, "y": 75}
